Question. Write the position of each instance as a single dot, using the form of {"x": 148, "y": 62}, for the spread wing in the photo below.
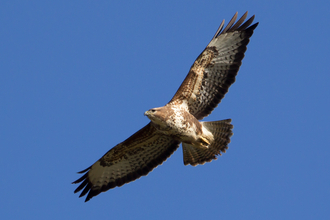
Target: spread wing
{"x": 126, "y": 162}
{"x": 215, "y": 68}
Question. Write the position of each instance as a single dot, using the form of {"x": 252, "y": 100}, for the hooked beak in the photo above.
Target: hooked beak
{"x": 146, "y": 113}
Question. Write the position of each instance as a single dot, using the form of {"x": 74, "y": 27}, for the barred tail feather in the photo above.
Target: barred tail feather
{"x": 222, "y": 131}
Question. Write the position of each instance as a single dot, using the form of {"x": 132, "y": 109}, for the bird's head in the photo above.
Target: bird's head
{"x": 155, "y": 114}
{"x": 151, "y": 112}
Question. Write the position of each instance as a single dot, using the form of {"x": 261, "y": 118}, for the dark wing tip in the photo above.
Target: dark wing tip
{"x": 87, "y": 187}
{"x": 238, "y": 26}
{"x": 252, "y": 27}
{"x": 85, "y": 170}
{"x": 83, "y": 177}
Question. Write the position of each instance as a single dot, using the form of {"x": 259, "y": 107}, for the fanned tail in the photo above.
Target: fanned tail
{"x": 222, "y": 131}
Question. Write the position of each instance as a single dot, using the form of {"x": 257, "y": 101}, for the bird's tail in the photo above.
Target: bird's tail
{"x": 222, "y": 131}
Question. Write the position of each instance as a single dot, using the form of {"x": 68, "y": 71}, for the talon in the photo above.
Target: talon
{"x": 204, "y": 141}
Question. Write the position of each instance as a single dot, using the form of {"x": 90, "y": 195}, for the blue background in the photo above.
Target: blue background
{"x": 77, "y": 76}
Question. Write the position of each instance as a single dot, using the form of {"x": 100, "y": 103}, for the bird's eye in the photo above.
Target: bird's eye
{"x": 153, "y": 110}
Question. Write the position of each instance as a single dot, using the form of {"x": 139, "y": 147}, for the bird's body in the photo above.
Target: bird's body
{"x": 178, "y": 122}
{"x": 175, "y": 121}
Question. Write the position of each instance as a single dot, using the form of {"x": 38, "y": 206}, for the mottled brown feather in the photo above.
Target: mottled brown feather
{"x": 215, "y": 69}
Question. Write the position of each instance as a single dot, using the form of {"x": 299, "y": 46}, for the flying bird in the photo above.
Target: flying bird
{"x": 207, "y": 82}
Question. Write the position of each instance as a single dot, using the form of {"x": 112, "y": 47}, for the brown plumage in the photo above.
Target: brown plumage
{"x": 177, "y": 122}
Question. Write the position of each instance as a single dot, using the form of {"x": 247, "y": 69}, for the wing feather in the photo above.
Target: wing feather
{"x": 215, "y": 69}
{"x": 126, "y": 162}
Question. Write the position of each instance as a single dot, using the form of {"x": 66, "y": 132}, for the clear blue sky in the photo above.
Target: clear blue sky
{"x": 77, "y": 76}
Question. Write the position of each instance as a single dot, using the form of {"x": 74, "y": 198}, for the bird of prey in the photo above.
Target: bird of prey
{"x": 207, "y": 82}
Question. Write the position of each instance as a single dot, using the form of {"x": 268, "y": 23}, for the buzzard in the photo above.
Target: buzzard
{"x": 178, "y": 122}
